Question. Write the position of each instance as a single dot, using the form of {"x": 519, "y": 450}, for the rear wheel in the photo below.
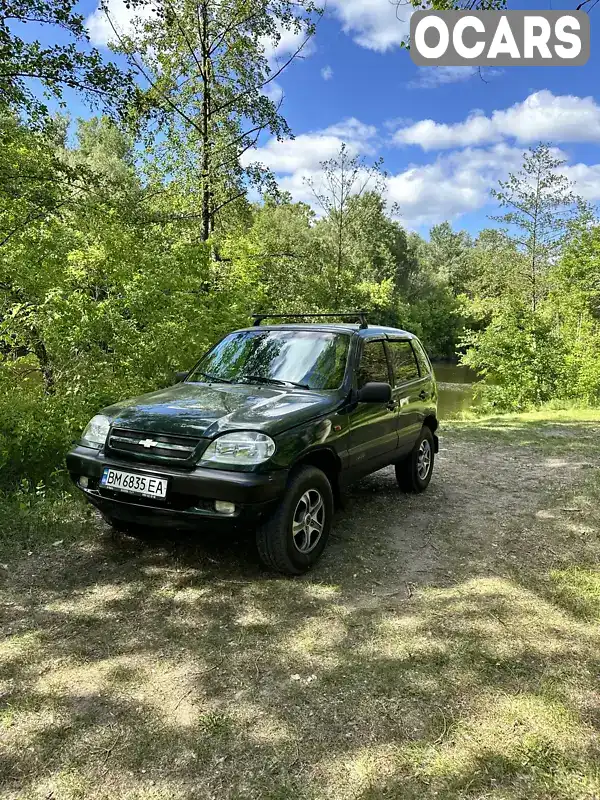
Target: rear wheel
{"x": 293, "y": 538}
{"x": 415, "y": 471}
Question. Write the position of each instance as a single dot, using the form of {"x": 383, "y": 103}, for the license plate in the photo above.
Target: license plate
{"x": 141, "y": 485}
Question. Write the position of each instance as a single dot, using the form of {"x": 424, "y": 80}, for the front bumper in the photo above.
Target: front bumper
{"x": 191, "y": 494}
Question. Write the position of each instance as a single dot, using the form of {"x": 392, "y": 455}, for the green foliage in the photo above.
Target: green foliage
{"x": 540, "y": 208}
{"x": 125, "y": 255}
{"x": 534, "y": 294}
{"x": 207, "y": 73}
{"x": 575, "y": 296}
{"x": 520, "y": 354}
{"x": 95, "y": 307}
{"x": 448, "y": 256}
{"x": 56, "y": 67}
{"x": 34, "y": 429}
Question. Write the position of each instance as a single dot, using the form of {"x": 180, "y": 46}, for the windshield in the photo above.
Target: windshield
{"x": 310, "y": 359}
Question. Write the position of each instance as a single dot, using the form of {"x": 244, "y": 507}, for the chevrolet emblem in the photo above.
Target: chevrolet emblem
{"x": 148, "y": 444}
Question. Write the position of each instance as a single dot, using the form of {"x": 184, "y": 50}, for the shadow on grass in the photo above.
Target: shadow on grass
{"x": 178, "y": 669}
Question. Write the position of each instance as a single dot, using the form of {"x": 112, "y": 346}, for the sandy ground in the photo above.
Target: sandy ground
{"x": 444, "y": 647}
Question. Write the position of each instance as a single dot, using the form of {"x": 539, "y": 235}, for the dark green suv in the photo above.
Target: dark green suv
{"x": 267, "y": 430}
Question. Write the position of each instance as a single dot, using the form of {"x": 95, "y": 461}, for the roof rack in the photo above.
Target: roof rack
{"x": 361, "y": 316}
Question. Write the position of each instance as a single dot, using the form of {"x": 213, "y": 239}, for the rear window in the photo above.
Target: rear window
{"x": 404, "y": 363}
{"x": 373, "y": 365}
{"x": 422, "y": 358}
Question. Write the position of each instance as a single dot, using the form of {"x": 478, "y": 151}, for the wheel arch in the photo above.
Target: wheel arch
{"x": 328, "y": 462}
{"x": 431, "y": 422}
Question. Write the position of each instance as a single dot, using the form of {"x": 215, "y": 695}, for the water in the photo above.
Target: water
{"x": 456, "y": 385}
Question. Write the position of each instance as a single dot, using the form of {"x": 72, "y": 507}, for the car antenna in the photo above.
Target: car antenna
{"x": 362, "y": 317}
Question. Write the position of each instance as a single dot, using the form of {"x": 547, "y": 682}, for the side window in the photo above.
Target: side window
{"x": 373, "y": 365}
{"x": 404, "y": 362}
{"x": 422, "y": 358}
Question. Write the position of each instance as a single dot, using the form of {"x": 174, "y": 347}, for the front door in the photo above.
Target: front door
{"x": 408, "y": 387}
{"x": 374, "y": 428}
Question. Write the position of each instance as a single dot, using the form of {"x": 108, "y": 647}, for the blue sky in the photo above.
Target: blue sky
{"x": 446, "y": 135}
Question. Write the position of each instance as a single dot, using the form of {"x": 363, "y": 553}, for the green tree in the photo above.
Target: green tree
{"x": 95, "y": 306}
{"x": 497, "y": 267}
{"x": 448, "y": 254}
{"x": 541, "y": 207}
{"x": 207, "y": 74}
{"x": 520, "y": 355}
{"x": 575, "y": 301}
{"x": 55, "y": 67}
{"x": 281, "y": 242}
{"x": 344, "y": 180}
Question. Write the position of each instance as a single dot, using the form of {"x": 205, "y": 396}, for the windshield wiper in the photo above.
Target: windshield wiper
{"x": 214, "y": 378}
{"x": 273, "y": 381}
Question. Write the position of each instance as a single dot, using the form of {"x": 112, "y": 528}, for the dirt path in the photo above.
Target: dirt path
{"x": 446, "y": 647}
{"x": 491, "y": 489}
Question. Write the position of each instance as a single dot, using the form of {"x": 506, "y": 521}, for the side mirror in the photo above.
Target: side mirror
{"x": 375, "y": 393}
{"x": 180, "y": 376}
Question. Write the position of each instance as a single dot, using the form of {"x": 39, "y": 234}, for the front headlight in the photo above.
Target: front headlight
{"x": 96, "y": 432}
{"x": 240, "y": 449}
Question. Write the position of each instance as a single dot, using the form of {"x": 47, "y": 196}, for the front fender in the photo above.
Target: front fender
{"x": 326, "y": 433}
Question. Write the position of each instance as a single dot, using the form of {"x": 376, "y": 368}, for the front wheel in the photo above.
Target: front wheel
{"x": 293, "y": 539}
{"x": 415, "y": 472}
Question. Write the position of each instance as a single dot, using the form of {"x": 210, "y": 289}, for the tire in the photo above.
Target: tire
{"x": 414, "y": 473}
{"x": 307, "y": 508}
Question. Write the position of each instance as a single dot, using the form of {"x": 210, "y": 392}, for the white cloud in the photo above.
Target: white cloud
{"x": 273, "y": 91}
{"x": 299, "y": 185}
{"x": 452, "y": 185}
{"x": 307, "y": 151}
{"x": 431, "y": 77}
{"x": 352, "y": 130}
{"x": 289, "y": 41}
{"x": 586, "y": 179}
{"x": 327, "y": 73}
{"x": 100, "y": 28}
{"x": 460, "y": 182}
{"x": 375, "y": 24}
{"x": 542, "y": 116}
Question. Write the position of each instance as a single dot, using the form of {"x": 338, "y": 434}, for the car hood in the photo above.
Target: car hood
{"x": 193, "y": 409}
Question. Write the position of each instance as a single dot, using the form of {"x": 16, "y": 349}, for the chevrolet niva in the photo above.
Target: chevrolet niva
{"x": 266, "y": 431}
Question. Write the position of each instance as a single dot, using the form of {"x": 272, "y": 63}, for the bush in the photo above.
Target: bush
{"x": 35, "y": 431}
{"x": 521, "y": 358}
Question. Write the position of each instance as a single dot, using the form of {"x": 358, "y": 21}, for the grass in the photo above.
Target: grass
{"x": 447, "y": 646}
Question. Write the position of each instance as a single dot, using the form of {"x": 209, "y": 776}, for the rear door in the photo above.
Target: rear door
{"x": 409, "y": 388}
{"x": 374, "y": 426}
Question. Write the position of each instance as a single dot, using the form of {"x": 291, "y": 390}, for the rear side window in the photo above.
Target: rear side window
{"x": 373, "y": 365}
{"x": 422, "y": 358}
{"x": 404, "y": 362}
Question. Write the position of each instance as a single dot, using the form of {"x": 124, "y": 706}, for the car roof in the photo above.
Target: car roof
{"x": 373, "y": 331}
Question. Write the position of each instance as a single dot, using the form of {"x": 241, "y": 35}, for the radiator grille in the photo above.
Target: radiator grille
{"x": 153, "y": 446}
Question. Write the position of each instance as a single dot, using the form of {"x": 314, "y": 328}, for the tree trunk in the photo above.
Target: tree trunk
{"x": 39, "y": 349}
{"x": 206, "y": 96}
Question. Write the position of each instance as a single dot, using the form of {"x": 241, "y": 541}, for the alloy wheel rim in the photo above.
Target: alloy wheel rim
{"x": 309, "y": 522}
{"x": 424, "y": 460}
